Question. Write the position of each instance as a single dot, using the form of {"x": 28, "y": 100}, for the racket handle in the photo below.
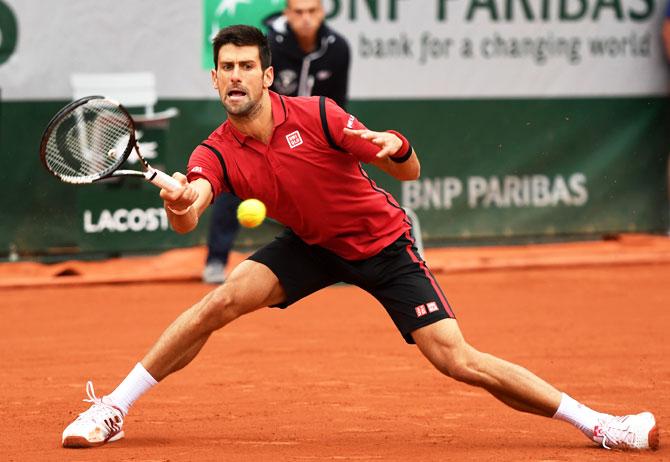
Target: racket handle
{"x": 162, "y": 180}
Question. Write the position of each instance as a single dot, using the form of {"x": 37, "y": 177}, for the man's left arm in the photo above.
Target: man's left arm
{"x": 395, "y": 157}
{"x": 389, "y": 151}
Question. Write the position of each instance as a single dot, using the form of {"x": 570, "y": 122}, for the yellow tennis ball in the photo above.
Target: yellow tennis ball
{"x": 251, "y": 213}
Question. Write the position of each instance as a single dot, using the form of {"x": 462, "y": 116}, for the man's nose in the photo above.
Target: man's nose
{"x": 235, "y": 75}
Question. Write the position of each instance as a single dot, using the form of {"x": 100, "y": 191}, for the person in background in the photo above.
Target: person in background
{"x": 309, "y": 58}
{"x": 223, "y": 229}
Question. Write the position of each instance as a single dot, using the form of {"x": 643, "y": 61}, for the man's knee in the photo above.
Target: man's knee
{"x": 218, "y": 308}
{"x": 457, "y": 361}
{"x": 446, "y": 349}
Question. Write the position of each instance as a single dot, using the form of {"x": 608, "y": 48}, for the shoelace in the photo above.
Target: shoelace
{"x": 91, "y": 394}
{"x": 616, "y": 431}
{"x": 100, "y": 410}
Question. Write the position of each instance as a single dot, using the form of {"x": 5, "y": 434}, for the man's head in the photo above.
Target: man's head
{"x": 241, "y": 35}
{"x": 305, "y": 17}
{"x": 242, "y": 71}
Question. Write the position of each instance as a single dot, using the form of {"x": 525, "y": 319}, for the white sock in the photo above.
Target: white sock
{"x": 577, "y": 414}
{"x": 133, "y": 386}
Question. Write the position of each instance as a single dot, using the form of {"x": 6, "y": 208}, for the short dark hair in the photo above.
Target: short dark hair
{"x": 242, "y": 35}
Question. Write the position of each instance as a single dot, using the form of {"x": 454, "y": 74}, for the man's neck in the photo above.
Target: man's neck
{"x": 258, "y": 125}
{"x": 307, "y": 44}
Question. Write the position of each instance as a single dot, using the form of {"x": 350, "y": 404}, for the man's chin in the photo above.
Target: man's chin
{"x": 236, "y": 109}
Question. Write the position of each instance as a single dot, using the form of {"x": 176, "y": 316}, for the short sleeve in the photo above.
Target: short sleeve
{"x": 203, "y": 163}
{"x": 338, "y": 119}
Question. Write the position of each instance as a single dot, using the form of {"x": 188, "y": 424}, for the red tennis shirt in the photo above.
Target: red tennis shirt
{"x": 321, "y": 193}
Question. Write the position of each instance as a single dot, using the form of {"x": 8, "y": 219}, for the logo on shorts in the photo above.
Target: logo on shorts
{"x": 294, "y": 139}
{"x": 422, "y": 310}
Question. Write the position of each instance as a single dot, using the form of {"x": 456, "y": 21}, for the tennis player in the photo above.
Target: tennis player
{"x": 302, "y": 157}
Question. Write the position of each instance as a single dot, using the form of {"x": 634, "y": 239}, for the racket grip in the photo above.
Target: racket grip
{"x": 162, "y": 180}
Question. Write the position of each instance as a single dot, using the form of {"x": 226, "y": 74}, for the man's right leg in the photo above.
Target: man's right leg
{"x": 251, "y": 286}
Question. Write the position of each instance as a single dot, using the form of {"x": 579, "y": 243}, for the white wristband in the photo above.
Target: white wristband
{"x": 178, "y": 212}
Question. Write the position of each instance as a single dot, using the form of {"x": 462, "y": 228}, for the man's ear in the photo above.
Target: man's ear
{"x": 268, "y": 77}
{"x": 215, "y": 83}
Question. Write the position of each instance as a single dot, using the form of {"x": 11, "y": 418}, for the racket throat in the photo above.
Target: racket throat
{"x": 150, "y": 174}
{"x": 136, "y": 146}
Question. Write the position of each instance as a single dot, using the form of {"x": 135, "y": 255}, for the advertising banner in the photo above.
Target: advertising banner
{"x": 503, "y": 48}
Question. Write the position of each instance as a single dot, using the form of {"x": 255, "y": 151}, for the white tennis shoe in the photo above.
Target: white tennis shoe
{"x": 637, "y": 431}
{"x": 100, "y": 424}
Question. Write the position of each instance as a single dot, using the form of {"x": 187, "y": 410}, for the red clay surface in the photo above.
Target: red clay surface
{"x": 330, "y": 378}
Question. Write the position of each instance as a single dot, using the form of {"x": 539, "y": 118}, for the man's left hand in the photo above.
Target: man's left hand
{"x": 388, "y": 142}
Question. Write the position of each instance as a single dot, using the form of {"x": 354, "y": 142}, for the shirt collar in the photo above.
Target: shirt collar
{"x": 279, "y": 111}
{"x": 279, "y": 115}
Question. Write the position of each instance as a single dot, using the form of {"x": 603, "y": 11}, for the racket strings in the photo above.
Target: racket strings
{"x": 89, "y": 141}
{"x": 72, "y": 155}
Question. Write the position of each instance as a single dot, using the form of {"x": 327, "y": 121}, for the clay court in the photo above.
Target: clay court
{"x": 303, "y": 385}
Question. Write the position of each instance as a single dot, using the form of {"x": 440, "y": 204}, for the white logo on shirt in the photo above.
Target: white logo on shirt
{"x": 323, "y": 74}
{"x": 196, "y": 170}
{"x": 350, "y": 122}
{"x": 294, "y": 139}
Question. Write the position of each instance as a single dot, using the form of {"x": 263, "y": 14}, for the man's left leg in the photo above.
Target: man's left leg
{"x": 443, "y": 344}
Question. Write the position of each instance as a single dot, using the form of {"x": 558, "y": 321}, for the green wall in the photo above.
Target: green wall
{"x": 620, "y": 145}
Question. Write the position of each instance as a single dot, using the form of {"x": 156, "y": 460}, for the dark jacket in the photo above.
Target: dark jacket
{"x": 323, "y": 72}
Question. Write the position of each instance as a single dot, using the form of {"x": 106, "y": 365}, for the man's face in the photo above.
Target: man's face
{"x": 304, "y": 17}
{"x": 239, "y": 79}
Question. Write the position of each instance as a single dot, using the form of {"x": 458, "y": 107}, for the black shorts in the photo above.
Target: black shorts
{"x": 397, "y": 277}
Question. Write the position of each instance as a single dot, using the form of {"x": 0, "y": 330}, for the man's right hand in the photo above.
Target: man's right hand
{"x": 180, "y": 200}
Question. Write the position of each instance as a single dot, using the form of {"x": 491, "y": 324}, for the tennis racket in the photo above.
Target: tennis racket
{"x": 89, "y": 139}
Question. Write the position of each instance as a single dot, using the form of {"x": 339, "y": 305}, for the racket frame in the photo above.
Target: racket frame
{"x": 150, "y": 174}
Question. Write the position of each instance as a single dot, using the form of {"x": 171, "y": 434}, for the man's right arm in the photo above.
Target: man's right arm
{"x": 185, "y": 206}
